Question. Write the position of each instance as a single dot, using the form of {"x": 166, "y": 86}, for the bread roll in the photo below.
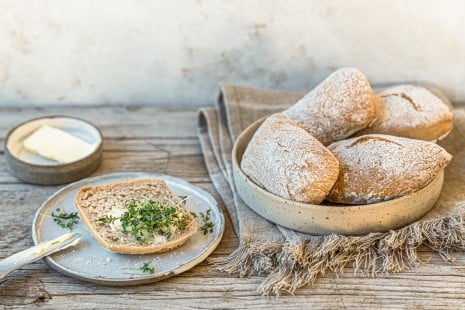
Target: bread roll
{"x": 412, "y": 112}
{"x": 341, "y": 105}
{"x": 287, "y": 161}
{"x": 374, "y": 168}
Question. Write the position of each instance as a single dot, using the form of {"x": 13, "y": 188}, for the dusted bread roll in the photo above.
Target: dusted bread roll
{"x": 287, "y": 161}
{"x": 341, "y": 105}
{"x": 374, "y": 168}
{"x": 412, "y": 112}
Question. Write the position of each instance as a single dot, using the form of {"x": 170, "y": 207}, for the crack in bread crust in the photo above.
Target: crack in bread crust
{"x": 406, "y": 97}
{"x": 412, "y": 112}
{"x": 368, "y": 138}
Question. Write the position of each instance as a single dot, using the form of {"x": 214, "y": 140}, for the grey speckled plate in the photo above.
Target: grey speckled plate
{"x": 91, "y": 262}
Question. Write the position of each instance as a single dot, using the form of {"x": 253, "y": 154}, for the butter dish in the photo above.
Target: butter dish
{"x": 33, "y": 168}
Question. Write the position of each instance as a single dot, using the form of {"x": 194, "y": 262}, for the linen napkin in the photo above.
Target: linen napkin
{"x": 291, "y": 259}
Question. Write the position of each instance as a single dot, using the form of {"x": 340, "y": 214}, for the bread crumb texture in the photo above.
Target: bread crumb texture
{"x": 287, "y": 161}
{"x": 375, "y": 168}
{"x": 94, "y": 203}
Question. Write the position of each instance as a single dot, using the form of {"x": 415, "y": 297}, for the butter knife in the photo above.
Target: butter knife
{"x": 35, "y": 253}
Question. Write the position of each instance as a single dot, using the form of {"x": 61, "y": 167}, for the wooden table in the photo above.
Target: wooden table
{"x": 163, "y": 139}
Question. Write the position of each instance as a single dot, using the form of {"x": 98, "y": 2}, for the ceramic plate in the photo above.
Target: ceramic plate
{"x": 91, "y": 262}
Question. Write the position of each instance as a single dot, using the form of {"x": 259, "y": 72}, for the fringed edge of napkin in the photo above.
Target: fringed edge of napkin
{"x": 298, "y": 262}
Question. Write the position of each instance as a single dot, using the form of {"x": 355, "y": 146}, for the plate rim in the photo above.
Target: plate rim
{"x": 210, "y": 246}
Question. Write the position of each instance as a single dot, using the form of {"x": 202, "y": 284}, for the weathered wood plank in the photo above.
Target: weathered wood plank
{"x": 176, "y": 157}
{"x": 218, "y": 291}
{"x": 114, "y": 121}
{"x": 149, "y": 162}
{"x": 178, "y": 146}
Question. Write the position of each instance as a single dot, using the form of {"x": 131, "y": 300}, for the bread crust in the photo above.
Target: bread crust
{"x": 287, "y": 161}
{"x": 86, "y": 212}
{"x": 338, "y": 107}
{"x": 412, "y": 112}
{"x": 374, "y": 168}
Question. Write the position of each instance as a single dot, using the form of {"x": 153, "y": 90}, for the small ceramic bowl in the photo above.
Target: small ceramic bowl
{"x": 327, "y": 218}
{"x": 35, "y": 169}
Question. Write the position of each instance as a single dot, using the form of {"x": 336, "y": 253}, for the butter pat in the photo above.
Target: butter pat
{"x": 58, "y": 145}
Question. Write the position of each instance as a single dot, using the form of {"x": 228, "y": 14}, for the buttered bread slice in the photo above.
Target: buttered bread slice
{"x": 139, "y": 216}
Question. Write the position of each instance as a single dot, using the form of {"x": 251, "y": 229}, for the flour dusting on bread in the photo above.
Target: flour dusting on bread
{"x": 395, "y": 158}
{"x": 412, "y": 112}
{"x": 286, "y": 160}
{"x": 338, "y": 107}
{"x": 374, "y": 168}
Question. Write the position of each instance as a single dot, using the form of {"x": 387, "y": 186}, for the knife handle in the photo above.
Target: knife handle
{"x": 35, "y": 253}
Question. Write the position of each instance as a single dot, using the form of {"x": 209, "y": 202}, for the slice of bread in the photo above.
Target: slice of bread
{"x": 95, "y": 203}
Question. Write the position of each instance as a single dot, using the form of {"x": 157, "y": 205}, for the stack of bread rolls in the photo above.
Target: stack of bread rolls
{"x": 344, "y": 144}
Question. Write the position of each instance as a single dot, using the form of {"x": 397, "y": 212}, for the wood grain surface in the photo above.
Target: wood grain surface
{"x": 163, "y": 139}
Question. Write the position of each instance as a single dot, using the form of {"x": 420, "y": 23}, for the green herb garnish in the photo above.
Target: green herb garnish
{"x": 65, "y": 220}
{"x": 208, "y": 225}
{"x": 107, "y": 219}
{"x": 147, "y": 218}
{"x": 147, "y": 269}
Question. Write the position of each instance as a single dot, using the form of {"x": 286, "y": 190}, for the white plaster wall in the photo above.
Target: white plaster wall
{"x": 162, "y": 52}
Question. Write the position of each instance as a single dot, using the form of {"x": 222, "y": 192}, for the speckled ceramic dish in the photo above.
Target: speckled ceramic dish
{"x": 89, "y": 261}
{"x": 33, "y": 168}
{"x": 326, "y": 218}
